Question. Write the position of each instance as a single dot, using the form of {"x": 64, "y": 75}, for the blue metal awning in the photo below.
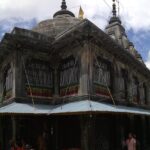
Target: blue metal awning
{"x": 78, "y": 107}
{"x": 97, "y": 107}
{"x": 22, "y": 108}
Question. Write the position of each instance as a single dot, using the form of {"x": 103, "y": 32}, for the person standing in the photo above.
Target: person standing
{"x": 131, "y": 142}
{"x": 137, "y": 142}
{"x": 41, "y": 142}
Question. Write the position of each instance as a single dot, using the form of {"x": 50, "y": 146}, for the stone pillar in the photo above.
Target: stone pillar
{"x": 148, "y": 94}
{"x": 18, "y": 75}
{"x": 143, "y": 132}
{"x": 91, "y": 68}
{"x": 84, "y": 75}
{"x": 13, "y": 127}
{"x": 117, "y": 137}
{"x": 13, "y": 65}
{"x": 113, "y": 132}
{"x": 131, "y": 123}
{"x": 56, "y": 83}
{"x": 148, "y": 132}
{"x": 1, "y": 89}
{"x": 87, "y": 133}
{"x": 16, "y": 78}
{"x": 1, "y": 133}
{"x": 92, "y": 138}
{"x": 84, "y": 134}
{"x": 119, "y": 132}
{"x": 116, "y": 81}
{"x": 115, "y": 85}
{"x": 56, "y": 134}
{"x": 129, "y": 88}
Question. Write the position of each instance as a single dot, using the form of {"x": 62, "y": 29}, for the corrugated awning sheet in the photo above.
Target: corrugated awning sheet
{"x": 21, "y": 108}
{"x": 96, "y": 107}
{"x": 78, "y": 107}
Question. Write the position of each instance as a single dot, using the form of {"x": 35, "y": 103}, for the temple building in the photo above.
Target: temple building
{"x": 74, "y": 85}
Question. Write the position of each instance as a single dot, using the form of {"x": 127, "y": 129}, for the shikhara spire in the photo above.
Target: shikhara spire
{"x": 114, "y": 8}
{"x": 117, "y": 32}
{"x": 63, "y": 5}
{"x": 115, "y": 17}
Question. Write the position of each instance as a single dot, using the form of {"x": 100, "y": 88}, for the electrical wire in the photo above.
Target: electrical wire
{"x": 107, "y": 4}
{"x": 105, "y": 82}
{"x": 118, "y": 93}
{"x": 27, "y": 78}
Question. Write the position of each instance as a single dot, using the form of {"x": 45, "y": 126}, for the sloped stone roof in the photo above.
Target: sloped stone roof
{"x": 52, "y": 27}
{"x": 82, "y": 31}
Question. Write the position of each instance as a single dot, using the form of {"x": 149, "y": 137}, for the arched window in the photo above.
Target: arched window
{"x": 39, "y": 78}
{"x": 8, "y": 82}
{"x": 69, "y": 76}
{"x": 135, "y": 90}
{"x": 101, "y": 77}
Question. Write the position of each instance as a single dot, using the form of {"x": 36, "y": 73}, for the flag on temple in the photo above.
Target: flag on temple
{"x": 81, "y": 13}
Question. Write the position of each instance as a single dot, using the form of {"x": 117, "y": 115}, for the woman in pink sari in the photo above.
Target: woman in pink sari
{"x": 131, "y": 142}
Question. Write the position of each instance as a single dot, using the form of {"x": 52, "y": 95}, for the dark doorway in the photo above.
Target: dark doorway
{"x": 69, "y": 132}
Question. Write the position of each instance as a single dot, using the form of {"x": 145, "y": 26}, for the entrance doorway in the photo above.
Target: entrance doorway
{"x": 69, "y": 133}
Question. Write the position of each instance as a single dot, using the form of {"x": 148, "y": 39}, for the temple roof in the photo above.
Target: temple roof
{"x": 75, "y": 35}
{"x": 63, "y": 19}
{"x": 116, "y": 30}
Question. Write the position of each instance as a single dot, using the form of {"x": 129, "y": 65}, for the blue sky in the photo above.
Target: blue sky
{"x": 134, "y": 15}
{"x": 141, "y": 40}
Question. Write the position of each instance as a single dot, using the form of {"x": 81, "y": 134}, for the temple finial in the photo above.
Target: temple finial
{"x": 63, "y": 5}
{"x": 114, "y": 8}
{"x": 63, "y": 11}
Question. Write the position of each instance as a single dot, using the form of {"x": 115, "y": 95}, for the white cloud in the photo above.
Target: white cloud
{"x": 148, "y": 61}
{"x": 134, "y": 14}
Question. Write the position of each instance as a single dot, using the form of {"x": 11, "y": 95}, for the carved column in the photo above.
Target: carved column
{"x": 87, "y": 133}
{"x": 18, "y": 74}
{"x": 129, "y": 88}
{"x": 115, "y": 82}
{"x": 14, "y": 66}
{"x": 84, "y": 75}
{"x": 148, "y": 94}
{"x": 1, "y": 88}
{"x": 56, "y": 83}
{"x": 141, "y": 95}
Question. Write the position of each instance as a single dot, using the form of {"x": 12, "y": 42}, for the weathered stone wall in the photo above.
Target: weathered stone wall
{"x": 53, "y": 27}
